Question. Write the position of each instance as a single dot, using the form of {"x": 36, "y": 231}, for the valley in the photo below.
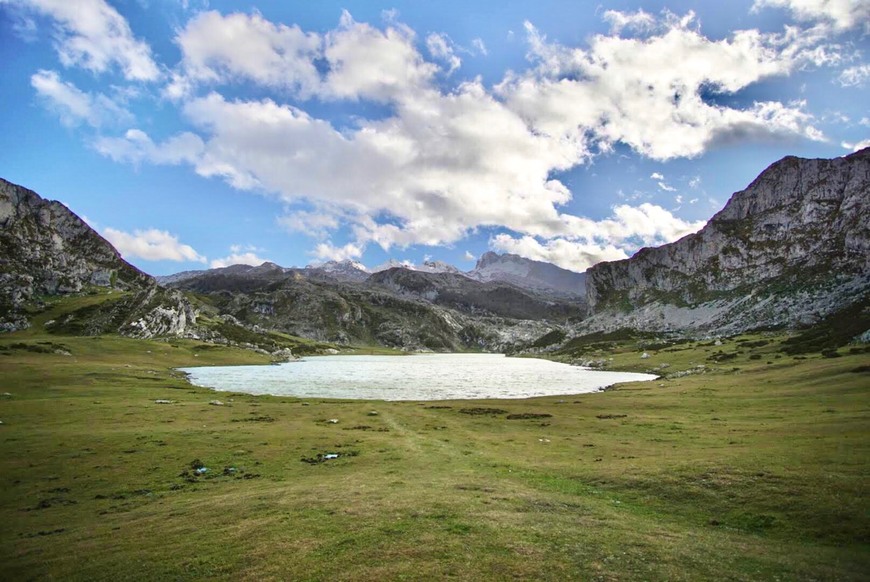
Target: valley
{"x": 753, "y": 467}
{"x": 745, "y": 459}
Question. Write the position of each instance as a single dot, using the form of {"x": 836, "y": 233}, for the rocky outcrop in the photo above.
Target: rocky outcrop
{"x": 161, "y": 313}
{"x": 463, "y": 294}
{"x": 788, "y": 250}
{"x": 532, "y": 275}
{"x": 397, "y": 308}
{"x": 46, "y": 250}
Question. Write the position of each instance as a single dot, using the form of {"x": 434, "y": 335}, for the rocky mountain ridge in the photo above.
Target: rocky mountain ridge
{"x": 538, "y": 276}
{"x": 49, "y": 251}
{"x": 787, "y": 251}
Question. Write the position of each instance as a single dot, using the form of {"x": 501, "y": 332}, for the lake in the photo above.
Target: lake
{"x": 417, "y": 377}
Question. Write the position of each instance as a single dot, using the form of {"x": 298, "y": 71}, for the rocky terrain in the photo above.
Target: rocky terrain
{"x": 791, "y": 250}
{"x": 788, "y": 251}
{"x": 528, "y": 274}
{"x": 397, "y": 308}
{"x": 49, "y": 251}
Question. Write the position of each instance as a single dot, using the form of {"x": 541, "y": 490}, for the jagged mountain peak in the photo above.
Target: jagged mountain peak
{"x": 529, "y": 274}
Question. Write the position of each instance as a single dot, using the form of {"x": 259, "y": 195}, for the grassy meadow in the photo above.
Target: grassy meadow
{"x": 752, "y": 467}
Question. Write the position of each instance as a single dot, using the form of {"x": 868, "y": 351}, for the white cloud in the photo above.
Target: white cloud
{"x": 587, "y": 242}
{"x": 479, "y": 46}
{"x": 136, "y": 146}
{"x": 469, "y": 256}
{"x": 843, "y": 14}
{"x": 441, "y": 164}
{"x": 217, "y": 48}
{"x": 73, "y": 105}
{"x": 568, "y": 254}
{"x": 639, "y": 21}
{"x": 327, "y": 252}
{"x": 369, "y": 63}
{"x": 151, "y": 245}
{"x": 239, "y": 255}
{"x": 656, "y": 176}
{"x": 441, "y": 48}
{"x": 627, "y": 89}
{"x": 92, "y": 34}
{"x": 362, "y": 62}
{"x": 855, "y": 76}
{"x": 315, "y": 224}
{"x": 865, "y": 143}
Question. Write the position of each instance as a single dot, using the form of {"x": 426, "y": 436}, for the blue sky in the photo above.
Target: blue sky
{"x": 195, "y": 134}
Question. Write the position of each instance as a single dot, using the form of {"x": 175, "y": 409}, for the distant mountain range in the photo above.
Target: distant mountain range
{"x": 535, "y": 276}
{"x": 789, "y": 251}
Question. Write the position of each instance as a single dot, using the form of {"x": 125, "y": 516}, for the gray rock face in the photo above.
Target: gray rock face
{"x": 790, "y": 249}
{"x": 528, "y": 274}
{"x": 45, "y": 249}
{"x": 398, "y": 308}
{"x": 49, "y": 250}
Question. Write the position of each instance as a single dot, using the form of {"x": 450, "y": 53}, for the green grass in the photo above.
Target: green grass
{"x": 745, "y": 469}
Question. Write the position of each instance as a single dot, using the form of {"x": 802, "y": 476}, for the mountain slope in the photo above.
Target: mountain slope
{"x": 46, "y": 250}
{"x": 528, "y": 274}
{"x": 466, "y": 295}
{"x": 788, "y": 250}
{"x": 395, "y": 308}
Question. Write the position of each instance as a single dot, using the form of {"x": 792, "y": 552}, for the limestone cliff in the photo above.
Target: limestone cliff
{"x": 788, "y": 250}
{"x": 46, "y": 250}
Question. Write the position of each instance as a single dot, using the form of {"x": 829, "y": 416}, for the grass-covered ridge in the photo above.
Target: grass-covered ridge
{"x": 749, "y": 466}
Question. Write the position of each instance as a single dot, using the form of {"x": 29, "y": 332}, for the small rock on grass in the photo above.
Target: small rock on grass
{"x": 216, "y": 403}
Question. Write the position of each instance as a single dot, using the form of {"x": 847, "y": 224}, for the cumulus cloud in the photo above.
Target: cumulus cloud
{"x": 586, "y": 242}
{"x": 74, "y": 106}
{"x": 627, "y": 89}
{"x": 136, "y": 147}
{"x": 151, "y": 245}
{"x": 843, "y": 14}
{"x": 219, "y": 49}
{"x": 328, "y": 252}
{"x": 856, "y": 146}
{"x": 568, "y": 254}
{"x": 469, "y": 256}
{"x": 440, "y": 164}
{"x": 239, "y": 255}
{"x": 441, "y": 48}
{"x": 93, "y": 35}
{"x": 639, "y": 21}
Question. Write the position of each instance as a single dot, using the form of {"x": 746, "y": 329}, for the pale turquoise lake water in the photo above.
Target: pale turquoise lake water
{"x": 417, "y": 377}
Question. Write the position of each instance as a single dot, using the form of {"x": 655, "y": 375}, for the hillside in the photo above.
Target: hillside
{"x": 788, "y": 251}
{"x": 48, "y": 251}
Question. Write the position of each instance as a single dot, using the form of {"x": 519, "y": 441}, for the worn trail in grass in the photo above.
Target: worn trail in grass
{"x": 752, "y": 467}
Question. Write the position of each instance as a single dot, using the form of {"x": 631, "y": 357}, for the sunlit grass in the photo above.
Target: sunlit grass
{"x": 751, "y": 468}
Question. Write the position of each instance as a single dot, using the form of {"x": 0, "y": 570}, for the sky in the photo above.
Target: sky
{"x": 195, "y": 134}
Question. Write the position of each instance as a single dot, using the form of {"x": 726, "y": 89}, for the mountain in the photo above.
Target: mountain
{"x": 397, "y": 308}
{"x": 346, "y": 270}
{"x": 46, "y": 250}
{"x": 460, "y": 293}
{"x": 788, "y": 251}
{"x": 528, "y": 274}
{"x": 437, "y": 267}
